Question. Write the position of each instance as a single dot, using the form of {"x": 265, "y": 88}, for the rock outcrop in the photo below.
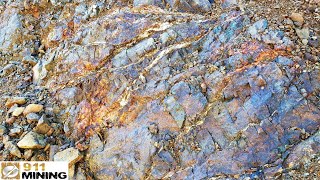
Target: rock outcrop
{"x": 162, "y": 89}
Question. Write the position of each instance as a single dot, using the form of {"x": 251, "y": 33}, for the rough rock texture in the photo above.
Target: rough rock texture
{"x": 10, "y": 25}
{"x": 70, "y": 155}
{"x": 32, "y": 140}
{"x": 162, "y": 89}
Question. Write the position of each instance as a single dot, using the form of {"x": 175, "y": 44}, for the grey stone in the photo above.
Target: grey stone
{"x": 9, "y": 28}
{"x": 229, "y": 3}
{"x": 195, "y": 6}
{"x": 176, "y": 110}
{"x": 144, "y": 2}
{"x": 258, "y": 27}
{"x": 284, "y": 61}
{"x": 32, "y": 117}
{"x": 303, "y": 33}
{"x": 13, "y": 149}
{"x": 16, "y": 131}
{"x": 273, "y": 37}
{"x": 3, "y": 130}
{"x": 69, "y": 96}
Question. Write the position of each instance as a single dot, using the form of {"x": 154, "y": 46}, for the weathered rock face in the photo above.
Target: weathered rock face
{"x": 130, "y": 150}
{"x": 9, "y": 27}
{"x": 194, "y": 6}
{"x": 152, "y": 71}
{"x": 304, "y": 152}
{"x": 162, "y": 94}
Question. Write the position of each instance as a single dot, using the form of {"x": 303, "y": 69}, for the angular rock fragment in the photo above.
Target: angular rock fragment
{"x": 32, "y": 140}
{"x": 13, "y": 149}
{"x": 195, "y": 6}
{"x": 146, "y": 2}
{"x": 10, "y": 120}
{"x": 69, "y": 96}
{"x": 258, "y": 27}
{"x": 32, "y": 117}
{"x": 124, "y": 146}
{"x": 189, "y": 97}
{"x": 3, "y": 130}
{"x": 303, "y": 33}
{"x": 28, "y": 154}
{"x": 229, "y": 3}
{"x": 42, "y": 126}
{"x": 16, "y": 131}
{"x": 18, "y": 111}
{"x": 7, "y": 70}
{"x": 176, "y": 110}
{"x": 70, "y": 155}
{"x": 53, "y": 150}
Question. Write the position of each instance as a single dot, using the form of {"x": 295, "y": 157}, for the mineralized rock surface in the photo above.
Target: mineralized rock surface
{"x": 159, "y": 89}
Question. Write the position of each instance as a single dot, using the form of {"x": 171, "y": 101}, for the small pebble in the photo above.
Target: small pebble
{"x": 10, "y": 120}
{"x": 297, "y": 17}
{"x": 305, "y": 42}
{"x": 28, "y": 154}
{"x": 18, "y": 111}
{"x": 32, "y": 108}
{"x": 15, "y": 100}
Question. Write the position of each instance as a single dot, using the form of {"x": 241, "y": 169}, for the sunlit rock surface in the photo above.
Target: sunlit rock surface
{"x": 166, "y": 94}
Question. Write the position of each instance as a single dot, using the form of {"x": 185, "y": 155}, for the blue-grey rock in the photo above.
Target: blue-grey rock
{"x": 10, "y": 24}
{"x": 176, "y": 110}
{"x": 257, "y": 28}
{"x": 228, "y": 3}
{"x": 195, "y": 6}
{"x": 284, "y": 61}
{"x": 167, "y": 92}
{"x": 273, "y": 37}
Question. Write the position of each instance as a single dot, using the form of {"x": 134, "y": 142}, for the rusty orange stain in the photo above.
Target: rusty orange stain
{"x": 269, "y": 54}
{"x": 35, "y": 12}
